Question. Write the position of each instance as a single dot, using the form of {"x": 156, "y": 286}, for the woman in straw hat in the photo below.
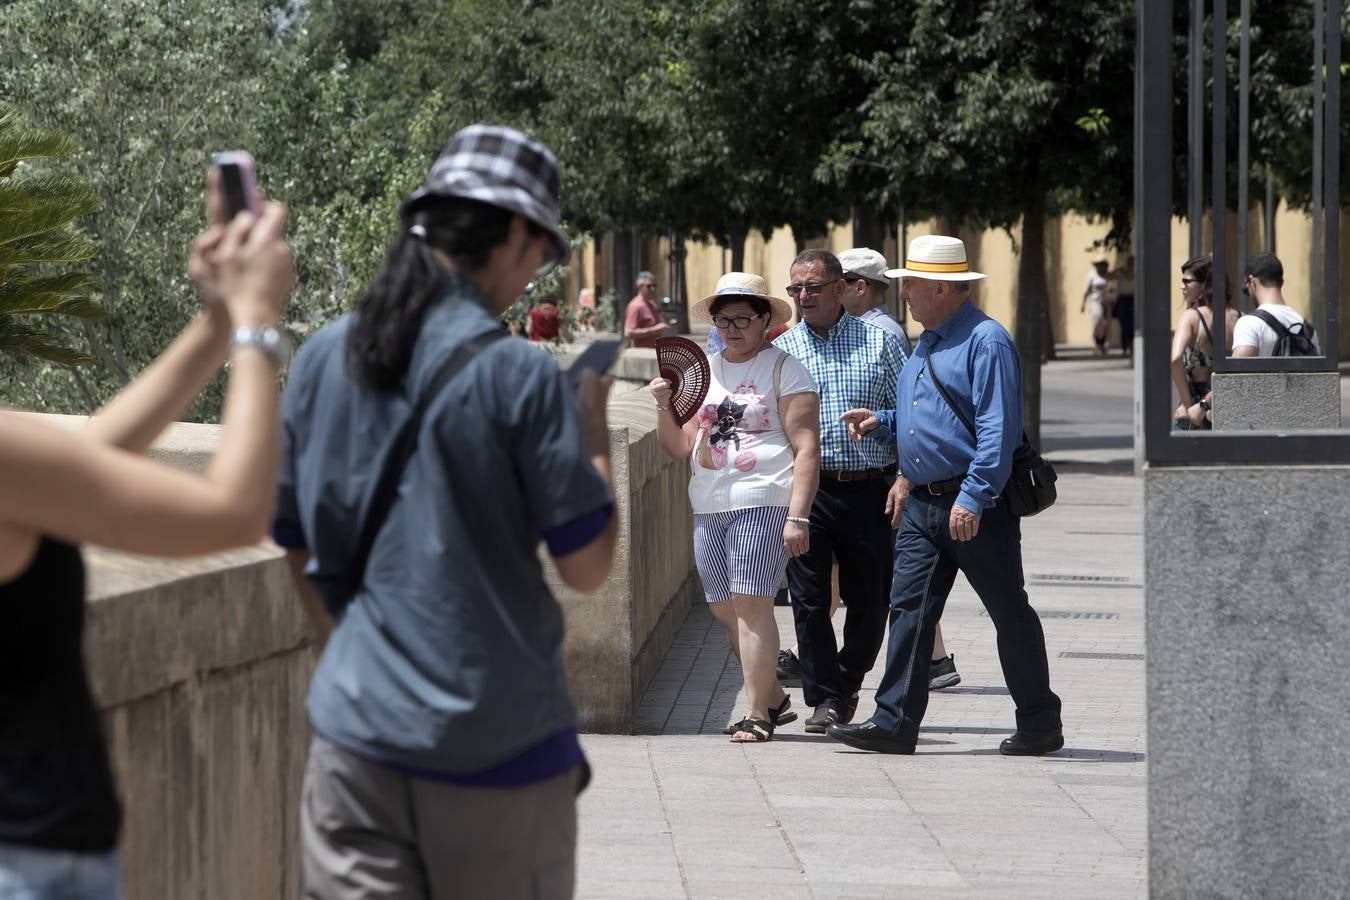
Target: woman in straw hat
{"x": 754, "y": 451}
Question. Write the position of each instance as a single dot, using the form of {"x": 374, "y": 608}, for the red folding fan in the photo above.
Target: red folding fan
{"x": 684, "y": 364}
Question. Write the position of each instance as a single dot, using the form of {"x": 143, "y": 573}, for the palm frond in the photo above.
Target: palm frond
{"x": 40, "y": 346}
{"x": 53, "y": 294}
{"x": 35, "y": 206}
{"x": 32, "y": 143}
{"x": 49, "y": 248}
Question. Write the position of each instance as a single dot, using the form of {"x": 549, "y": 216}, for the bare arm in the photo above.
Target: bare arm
{"x": 1245, "y": 350}
{"x": 800, "y": 415}
{"x": 648, "y": 332}
{"x": 676, "y": 440}
{"x": 86, "y": 491}
{"x": 160, "y": 394}
{"x": 1183, "y": 338}
{"x": 296, "y": 560}
{"x": 164, "y": 390}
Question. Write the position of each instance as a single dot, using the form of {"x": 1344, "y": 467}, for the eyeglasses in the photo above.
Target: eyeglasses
{"x": 811, "y": 288}
{"x": 740, "y": 322}
{"x": 1186, "y": 281}
{"x": 647, "y": 287}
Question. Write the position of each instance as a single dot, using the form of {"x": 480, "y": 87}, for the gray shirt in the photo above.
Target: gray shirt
{"x": 449, "y": 655}
{"x": 881, "y": 319}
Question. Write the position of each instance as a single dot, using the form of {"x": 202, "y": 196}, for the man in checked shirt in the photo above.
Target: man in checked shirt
{"x": 856, "y": 365}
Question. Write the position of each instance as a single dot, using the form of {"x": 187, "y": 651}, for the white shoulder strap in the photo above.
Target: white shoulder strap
{"x": 778, "y": 375}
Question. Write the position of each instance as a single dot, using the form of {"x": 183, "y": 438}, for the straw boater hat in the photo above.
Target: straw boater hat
{"x": 742, "y": 286}
{"x": 937, "y": 258}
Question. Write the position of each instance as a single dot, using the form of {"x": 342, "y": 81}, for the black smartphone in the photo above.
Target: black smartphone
{"x": 599, "y": 356}
{"x": 238, "y": 187}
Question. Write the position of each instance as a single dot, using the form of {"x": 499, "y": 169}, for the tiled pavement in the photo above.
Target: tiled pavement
{"x": 678, "y": 811}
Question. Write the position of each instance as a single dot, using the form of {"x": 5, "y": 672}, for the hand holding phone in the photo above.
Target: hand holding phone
{"x": 238, "y": 187}
{"x": 598, "y": 357}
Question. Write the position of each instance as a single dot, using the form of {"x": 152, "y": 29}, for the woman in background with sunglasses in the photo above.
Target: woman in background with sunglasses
{"x": 754, "y": 451}
{"x": 1193, "y": 340}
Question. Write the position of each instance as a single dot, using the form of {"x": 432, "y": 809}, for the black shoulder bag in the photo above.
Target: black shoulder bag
{"x": 1031, "y": 483}
{"x": 401, "y": 450}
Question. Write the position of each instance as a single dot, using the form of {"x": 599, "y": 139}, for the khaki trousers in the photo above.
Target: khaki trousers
{"x": 368, "y": 831}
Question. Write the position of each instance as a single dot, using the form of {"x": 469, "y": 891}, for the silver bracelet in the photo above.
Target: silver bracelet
{"x": 663, "y": 408}
{"x": 800, "y": 519}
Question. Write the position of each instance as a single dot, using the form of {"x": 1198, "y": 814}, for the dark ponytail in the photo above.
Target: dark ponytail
{"x": 389, "y": 314}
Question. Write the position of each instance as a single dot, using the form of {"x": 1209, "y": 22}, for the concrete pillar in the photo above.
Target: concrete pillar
{"x": 1248, "y": 623}
{"x": 1276, "y": 401}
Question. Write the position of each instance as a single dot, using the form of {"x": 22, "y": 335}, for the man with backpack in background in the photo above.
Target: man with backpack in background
{"x": 1273, "y": 329}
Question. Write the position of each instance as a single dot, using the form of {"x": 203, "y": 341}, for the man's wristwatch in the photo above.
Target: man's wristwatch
{"x": 268, "y": 338}
{"x": 1204, "y": 405}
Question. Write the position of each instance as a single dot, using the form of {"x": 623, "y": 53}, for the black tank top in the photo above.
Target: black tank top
{"x": 56, "y": 786}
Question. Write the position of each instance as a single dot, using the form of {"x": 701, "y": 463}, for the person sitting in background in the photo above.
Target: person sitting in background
{"x": 543, "y": 323}
{"x": 642, "y": 322}
{"x": 59, "y": 814}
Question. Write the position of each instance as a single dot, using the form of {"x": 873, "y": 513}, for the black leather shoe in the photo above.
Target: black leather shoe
{"x": 867, "y": 736}
{"x": 1032, "y": 743}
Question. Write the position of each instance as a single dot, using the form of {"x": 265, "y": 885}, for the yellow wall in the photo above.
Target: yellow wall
{"x": 1069, "y": 256}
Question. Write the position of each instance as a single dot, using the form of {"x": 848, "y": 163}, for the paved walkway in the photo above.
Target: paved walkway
{"x": 677, "y": 811}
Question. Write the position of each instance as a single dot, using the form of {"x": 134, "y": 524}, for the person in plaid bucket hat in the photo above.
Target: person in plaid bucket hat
{"x": 501, "y": 167}
{"x": 445, "y": 759}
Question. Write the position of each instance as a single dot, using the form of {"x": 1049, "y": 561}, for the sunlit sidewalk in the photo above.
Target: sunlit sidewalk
{"x": 679, "y": 811}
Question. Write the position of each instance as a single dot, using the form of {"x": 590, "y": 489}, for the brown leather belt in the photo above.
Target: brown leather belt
{"x": 857, "y": 474}
{"x": 950, "y": 486}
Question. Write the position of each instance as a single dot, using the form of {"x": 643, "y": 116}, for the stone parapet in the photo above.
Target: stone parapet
{"x": 201, "y": 668}
{"x": 1276, "y": 401}
{"x": 1247, "y": 625}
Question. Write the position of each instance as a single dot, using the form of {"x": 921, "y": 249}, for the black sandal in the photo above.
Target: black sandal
{"x": 783, "y": 715}
{"x": 761, "y": 730}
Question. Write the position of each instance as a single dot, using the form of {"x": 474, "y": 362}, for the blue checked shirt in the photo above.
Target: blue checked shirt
{"x": 856, "y": 366}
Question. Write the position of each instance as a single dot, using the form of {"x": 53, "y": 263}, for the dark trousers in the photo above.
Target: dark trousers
{"x": 926, "y": 561}
{"x": 848, "y": 522}
{"x": 1125, "y": 315}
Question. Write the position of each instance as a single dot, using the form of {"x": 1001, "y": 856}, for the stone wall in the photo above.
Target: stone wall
{"x": 1247, "y": 627}
{"x": 1277, "y": 401}
{"x": 201, "y": 668}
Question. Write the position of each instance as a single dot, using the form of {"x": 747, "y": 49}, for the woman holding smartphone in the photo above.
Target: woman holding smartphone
{"x": 445, "y": 760}
{"x": 59, "y": 813}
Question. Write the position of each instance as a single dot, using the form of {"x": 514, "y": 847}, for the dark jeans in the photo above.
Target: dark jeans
{"x": 926, "y": 562}
{"x": 848, "y": 523}
{"x": 1125, "y": 315}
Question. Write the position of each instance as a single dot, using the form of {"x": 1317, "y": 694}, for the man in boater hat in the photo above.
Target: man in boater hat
{"x": 953, "y": 517}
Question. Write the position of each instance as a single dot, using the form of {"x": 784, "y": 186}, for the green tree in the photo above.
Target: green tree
{"x": 988, "y": 113}
{"x": 36, "y": 238}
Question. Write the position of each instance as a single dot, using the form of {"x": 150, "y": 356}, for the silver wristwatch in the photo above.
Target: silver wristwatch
{"x": 268, "y": 338}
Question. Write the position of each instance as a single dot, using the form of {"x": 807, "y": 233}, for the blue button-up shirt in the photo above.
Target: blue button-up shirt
{"x": 856, "y": 365}
{"x": 976, "y": 362}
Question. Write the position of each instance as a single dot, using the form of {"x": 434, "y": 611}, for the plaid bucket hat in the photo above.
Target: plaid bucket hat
{"x": 502, "y": 167}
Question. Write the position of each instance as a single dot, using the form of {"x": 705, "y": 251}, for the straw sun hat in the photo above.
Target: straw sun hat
{"x": 742, "y": 286}
{"x": 936, "y": 257}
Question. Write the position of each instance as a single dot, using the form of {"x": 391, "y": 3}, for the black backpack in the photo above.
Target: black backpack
{"x": 1292, "y": 340}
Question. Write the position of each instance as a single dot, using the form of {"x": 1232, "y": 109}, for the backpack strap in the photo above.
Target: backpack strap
{"x": 1281, "y": 330}
{"x": 402, "y": 447}
{"x": 778, "y": 376}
